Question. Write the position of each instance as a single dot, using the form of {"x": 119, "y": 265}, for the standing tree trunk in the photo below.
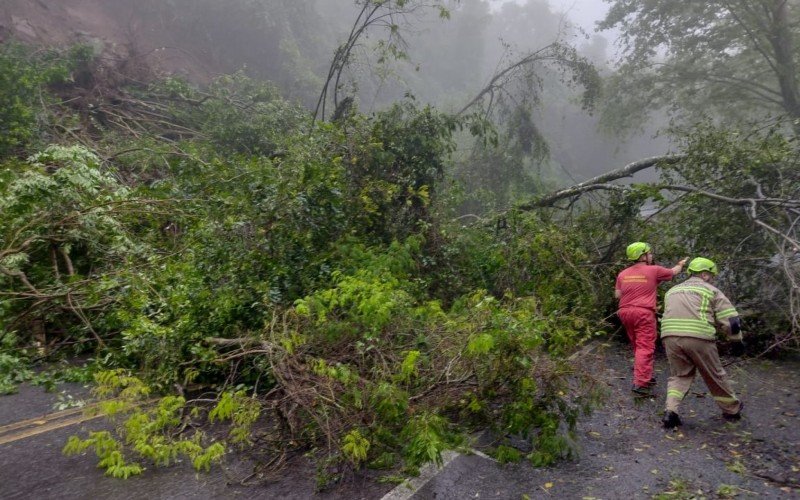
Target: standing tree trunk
{"x": 780, "y": 38}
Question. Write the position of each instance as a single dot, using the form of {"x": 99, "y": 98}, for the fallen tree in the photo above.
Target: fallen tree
{"x": 735, "y": 199}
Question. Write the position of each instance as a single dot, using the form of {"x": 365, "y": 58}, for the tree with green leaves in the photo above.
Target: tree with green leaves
{"x": 735, "y": 59}
{"x": 24, "y": 76}
{"x": 732, "y": 196}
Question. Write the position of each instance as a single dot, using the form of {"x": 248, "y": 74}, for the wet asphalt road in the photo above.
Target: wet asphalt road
{"x": 623, "y": 454}
{"x": 35, "y": 468}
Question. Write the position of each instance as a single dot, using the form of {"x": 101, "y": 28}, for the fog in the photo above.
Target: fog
{"x": 451, "y": 60}
{"x": 445, "y": 62}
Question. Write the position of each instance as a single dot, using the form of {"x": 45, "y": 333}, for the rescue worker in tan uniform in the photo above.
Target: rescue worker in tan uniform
{"x": 693, "y": 311}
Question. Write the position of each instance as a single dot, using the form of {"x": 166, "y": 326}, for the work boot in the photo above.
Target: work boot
{"x": 734, "y": 417}
{"x": 671, "y": 420}
{"x": 641, "y": 392}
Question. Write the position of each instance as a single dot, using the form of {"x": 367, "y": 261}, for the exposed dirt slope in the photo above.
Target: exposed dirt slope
{"x": 117, "y": 31}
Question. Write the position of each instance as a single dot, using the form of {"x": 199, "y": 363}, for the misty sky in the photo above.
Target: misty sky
{"x": 582, "y": 12}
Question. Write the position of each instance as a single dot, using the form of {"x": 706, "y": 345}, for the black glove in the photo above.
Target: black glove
{"x": 737, "y": 348}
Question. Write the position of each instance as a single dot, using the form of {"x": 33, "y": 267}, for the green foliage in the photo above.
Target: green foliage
{"x": 236, "y": 113}
{"x": 17, "y": 366}
{"x": 730, "y": 59}
{"x": 147, "y": 428}
{"x": 25, "y": 75}
{"x": 427, "y": 437}
{"x": 390, "y": 402}
{"x": 241, "y": 411}
{"x": 108, "y": 453}
{"x": 396, "y": 166}
{"x": 355, "y": 447}
{"x": 66, "y": 228}
{"x": 525, "y": 256}
{"x": 506, "y": 454}
{"x": 294, "y": 218}
{"x": 743, "y": 239}
{"x": 506, "y": 345}
{"x": 55, "y": 183}
{"x": 13, "y": 371}
{"x": 408, "y": 368}
{"x": 509, "y": 369}
{"x": 14, "y": 365}
{"x": 372, "y": 296}
{"x": 307, "y": 268}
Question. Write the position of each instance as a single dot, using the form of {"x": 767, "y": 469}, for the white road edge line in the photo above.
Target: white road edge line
{"x": 409, "y": 487}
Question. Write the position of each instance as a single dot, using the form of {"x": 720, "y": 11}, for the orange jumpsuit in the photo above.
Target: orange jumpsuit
{"x": 637, "y": 287}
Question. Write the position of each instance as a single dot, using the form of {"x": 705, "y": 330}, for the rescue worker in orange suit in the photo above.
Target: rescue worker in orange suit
{"x": 693, "y": 312}
{"x": 636, "y": 290}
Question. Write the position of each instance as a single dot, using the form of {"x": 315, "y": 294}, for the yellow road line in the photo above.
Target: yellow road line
{"x": 48, "y": 417}
{"x": 47, "y": 427}
{"x": 52, "y": 421}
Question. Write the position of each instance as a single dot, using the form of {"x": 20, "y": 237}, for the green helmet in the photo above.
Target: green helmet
{"x": 700, "y": 264}
{"x": 636, "y": 250}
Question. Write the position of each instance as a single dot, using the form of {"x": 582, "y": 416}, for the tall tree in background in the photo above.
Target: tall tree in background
{"x": 391, "y": 16}
{"x": 538, "y": 66}
{"x": 731, "y": 58}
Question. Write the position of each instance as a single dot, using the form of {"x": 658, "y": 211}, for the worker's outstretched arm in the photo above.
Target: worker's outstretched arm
{"x": 679, "y": 266}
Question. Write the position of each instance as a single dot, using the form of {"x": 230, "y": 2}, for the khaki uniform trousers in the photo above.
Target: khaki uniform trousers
{"x": 688, "y": 355}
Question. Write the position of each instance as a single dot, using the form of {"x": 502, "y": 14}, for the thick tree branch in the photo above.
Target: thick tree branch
{"x": 67, "y": 261}
{"x": 22, "y": 277}
{"x": 600, "y": 182}
{"x": 780, "y": 202}
{"x": 79, "y": 313}
{"x": 21, "y": 248}
{"x": 753, "y": 213}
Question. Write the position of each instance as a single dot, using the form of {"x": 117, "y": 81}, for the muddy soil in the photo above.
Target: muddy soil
{"x": 139, "y": 46}
{"x": 625, "y": 453}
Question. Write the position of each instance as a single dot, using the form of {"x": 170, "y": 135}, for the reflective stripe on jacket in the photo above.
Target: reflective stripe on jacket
{"x": 695, "y": 308}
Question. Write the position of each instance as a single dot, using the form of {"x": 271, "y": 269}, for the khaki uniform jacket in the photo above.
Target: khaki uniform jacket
{"x": 695, "y": 308}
